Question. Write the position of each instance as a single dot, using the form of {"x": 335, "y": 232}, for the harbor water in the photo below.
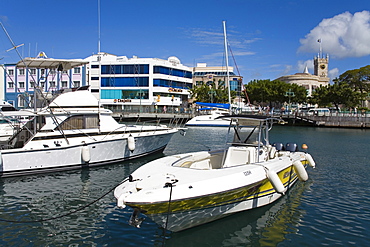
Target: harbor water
{"x": 331, "y": 209}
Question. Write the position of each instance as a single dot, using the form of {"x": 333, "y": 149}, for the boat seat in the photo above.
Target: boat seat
{"x": 202, "y": 165}
{"x": 279, "y": 146}
{"x": 292, "y": 147}
{"x": 238, "y": 156}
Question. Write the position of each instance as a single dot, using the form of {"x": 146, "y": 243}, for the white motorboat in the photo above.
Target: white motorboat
{"x": 212, "y": 119}
{"x": 186, "y": 190}
{"x": 74, "y": 131}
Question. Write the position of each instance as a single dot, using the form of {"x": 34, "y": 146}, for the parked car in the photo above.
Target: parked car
{"x": 318, "y": 111}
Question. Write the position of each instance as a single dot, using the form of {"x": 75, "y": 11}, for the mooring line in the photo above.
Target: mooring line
{"x": 67, "y": 214}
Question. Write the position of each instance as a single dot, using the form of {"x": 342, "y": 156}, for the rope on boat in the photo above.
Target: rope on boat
{"x": 67, "y": 214}
{"x": 169, "y": 203}
{"x": 168, "y": 210}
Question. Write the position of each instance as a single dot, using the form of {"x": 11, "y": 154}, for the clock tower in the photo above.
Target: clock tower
{"x": 321, "y": 66}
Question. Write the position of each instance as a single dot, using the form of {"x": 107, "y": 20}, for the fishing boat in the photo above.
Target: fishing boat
{"x": 186, "y": 190}
{"x": 73, "y": 131}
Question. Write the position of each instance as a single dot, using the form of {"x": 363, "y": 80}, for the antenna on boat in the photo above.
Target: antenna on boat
{"x": 99, "y": 59}
{"x": 35, "y": 87}
{"x": 11, "y": 41}
{"x": 227, "y": 65}
{"x": 98, "y": 26}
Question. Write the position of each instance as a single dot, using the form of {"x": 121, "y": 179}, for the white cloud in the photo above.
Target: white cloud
{"x": 287, "y": 69}
{"x": 344, "y": 35}
{"x": 302, "y": 65}
{"x": 333, "y": 73}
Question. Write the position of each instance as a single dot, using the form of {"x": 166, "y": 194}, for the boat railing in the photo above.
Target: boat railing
{"x": 21, "y": 137}
{"x": 161, "y": 123}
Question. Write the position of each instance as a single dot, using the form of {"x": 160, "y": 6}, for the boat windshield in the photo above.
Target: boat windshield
{"x": 246, "y": 135}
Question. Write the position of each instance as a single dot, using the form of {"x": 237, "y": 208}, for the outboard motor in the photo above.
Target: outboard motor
{"x": 291, "y": 147}
{"x": 279, "y": 146}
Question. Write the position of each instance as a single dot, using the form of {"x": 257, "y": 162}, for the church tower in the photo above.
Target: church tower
{"x": 321, "y": 66}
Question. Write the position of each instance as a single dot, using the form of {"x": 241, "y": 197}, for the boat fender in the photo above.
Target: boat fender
{"x": 120, "y": 201}
{"x": 85, "y": 154}
{"x": 131, "y": 143}
{"x": 300, "y": 170}
{"x": 276, "y": 182}
{"x": 272, "y": 153}
{"x": 310, "y": 160}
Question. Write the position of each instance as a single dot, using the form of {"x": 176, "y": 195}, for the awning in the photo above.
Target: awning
{"x": 214, "y": 105}
{"x": 51, "y": 63}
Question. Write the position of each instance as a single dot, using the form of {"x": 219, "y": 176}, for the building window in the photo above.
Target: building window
{"x": 21, "y": 84}
{"x": 170, "y": 83}
{"x": 76, "y": 84}
{"x": 52, "y": 84}
{"x": 33, "y": 71}
{"x": 171, "y": 71}
{"x": 21, "y": 71}
{"x": 32, "y": 84}
{"x": 77, "y": 70}
{"x": 125, "y": 69}
{"x": 124, "y": 94}
{"x": 10, "y": 72}
{"x": 52, "y": 71}
{"x": 64, "y": 84}
{"x": 125, "y": 81}
{"x": 42, "y": 84}
{"x": 94, "y": 78}
{"x": 42, "y": 71}
{"x": 10, "y": 84}
{"x": 95, "y": 66}
{"x": 21, "y": 101}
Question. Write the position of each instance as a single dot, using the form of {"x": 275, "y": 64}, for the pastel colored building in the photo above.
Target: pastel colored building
{"x": 19, "y": 83}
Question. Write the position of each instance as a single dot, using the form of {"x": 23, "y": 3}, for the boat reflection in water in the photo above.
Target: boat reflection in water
{"x": 58, "y": 209}
{"x": 265, "y": 226}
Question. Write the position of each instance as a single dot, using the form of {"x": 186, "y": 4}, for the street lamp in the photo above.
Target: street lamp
{"x": 289, "y": 94}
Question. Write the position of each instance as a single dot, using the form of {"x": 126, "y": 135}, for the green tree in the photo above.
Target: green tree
{"x": 266, "y": 91}
{"x": 358, "y": 79}
{"x": 340, "y": 93}
{"x": 208, "y": 92}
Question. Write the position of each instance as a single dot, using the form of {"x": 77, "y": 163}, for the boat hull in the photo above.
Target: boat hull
{"x": 207, "y": 209}
{"x": 176, "y": 210}
{"x": 184, "y": 220}
{"x": 15, "y": 162}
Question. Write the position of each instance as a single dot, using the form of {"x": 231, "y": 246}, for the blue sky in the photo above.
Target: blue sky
{"x": 268, "y": 38}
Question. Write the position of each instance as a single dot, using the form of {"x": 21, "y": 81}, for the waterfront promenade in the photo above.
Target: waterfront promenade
{"x": 343, "y": 120}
